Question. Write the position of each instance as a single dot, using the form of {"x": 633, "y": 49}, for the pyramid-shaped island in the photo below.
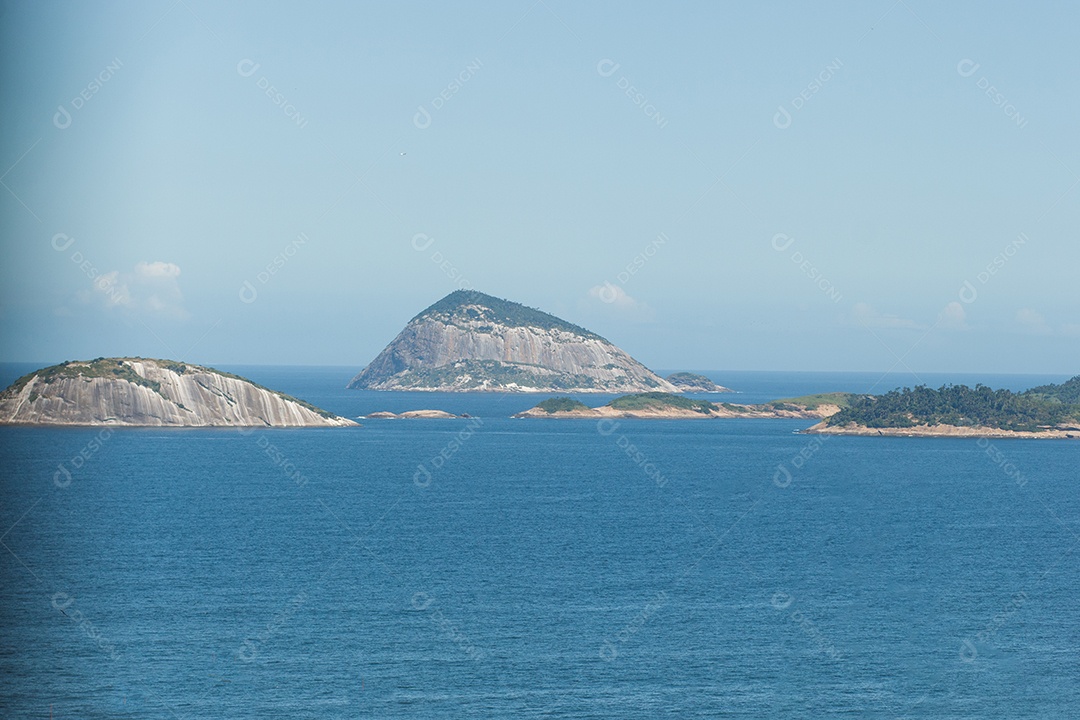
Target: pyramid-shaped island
{"x": 469, "y": 341}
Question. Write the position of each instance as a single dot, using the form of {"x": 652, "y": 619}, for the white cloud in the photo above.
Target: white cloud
{"x": 152, "y": 288}
{"x": 112, "y": 289}
{"x": 614, "y": 296}
{"x": 157, "y": 269}
{"x": 1032, "y": 322}
{"x": 953, "y": 317}
{"x": 865, "y": 315}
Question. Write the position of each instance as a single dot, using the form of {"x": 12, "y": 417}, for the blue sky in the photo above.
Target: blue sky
{"x": 827, "y": 186}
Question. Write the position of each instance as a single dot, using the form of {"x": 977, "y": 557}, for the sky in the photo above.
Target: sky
{"x": 890, "y": 184}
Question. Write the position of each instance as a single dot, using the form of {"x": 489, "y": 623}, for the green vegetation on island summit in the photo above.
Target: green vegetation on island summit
{"x": 660, "y": 405}
{"x": 693, "y": 382}
{"x": 117, "y": 368}
{"x": 661, "y": 401}
{"x": 686, "y": 378}
{"x": 113, "y": 368}
{"x": 813, "y": 402}
{"x": 562, "y": 404}
{"x": 956, "y": 410}
{"x": 476, "y": 305}
{"x": 1067, "y": 392}
{"x": 148, "y": 391}
{"x": 1036, "y": 410}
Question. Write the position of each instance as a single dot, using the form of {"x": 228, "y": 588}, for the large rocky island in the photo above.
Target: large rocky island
{"x": 156, "y": 393}
{"x": 469, "y": 341}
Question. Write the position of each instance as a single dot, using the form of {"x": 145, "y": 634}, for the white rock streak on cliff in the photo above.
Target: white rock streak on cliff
{"x": 199, "y": 397}
{"x": 431, "y": 342}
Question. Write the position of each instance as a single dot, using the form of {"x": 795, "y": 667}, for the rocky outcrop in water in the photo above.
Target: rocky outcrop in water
{"x": 158, "y": 393}
{"x": 692, "y": 382}
{"x": 657, "y": 406}
{"x": 469, "y": 341}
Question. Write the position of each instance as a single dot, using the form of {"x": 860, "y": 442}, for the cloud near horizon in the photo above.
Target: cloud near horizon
{"x": 953, "y": 317}
{"x": 151, "y": 288}
{"x": 614, "y": 296}
{"x": 864, "y": 314}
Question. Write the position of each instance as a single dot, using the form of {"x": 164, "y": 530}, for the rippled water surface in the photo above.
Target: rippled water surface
{"x": 491, "y": 567}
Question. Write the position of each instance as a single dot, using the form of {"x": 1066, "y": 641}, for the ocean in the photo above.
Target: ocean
{"x": 492, "y": 567}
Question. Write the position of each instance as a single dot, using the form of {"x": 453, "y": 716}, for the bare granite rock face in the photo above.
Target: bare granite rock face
{"x": 156, "y": 393}
{"x": 469, "y": 341}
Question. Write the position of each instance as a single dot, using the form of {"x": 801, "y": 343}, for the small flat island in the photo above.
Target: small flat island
{"x": 692, "y": 382}
{"x": 1047, "y": 411}
{"x": 658, "y": 405}
{"x": 412, "y": 415}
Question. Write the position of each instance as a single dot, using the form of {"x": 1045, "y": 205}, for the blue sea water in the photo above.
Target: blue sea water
{"x": 490, "y": 567}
